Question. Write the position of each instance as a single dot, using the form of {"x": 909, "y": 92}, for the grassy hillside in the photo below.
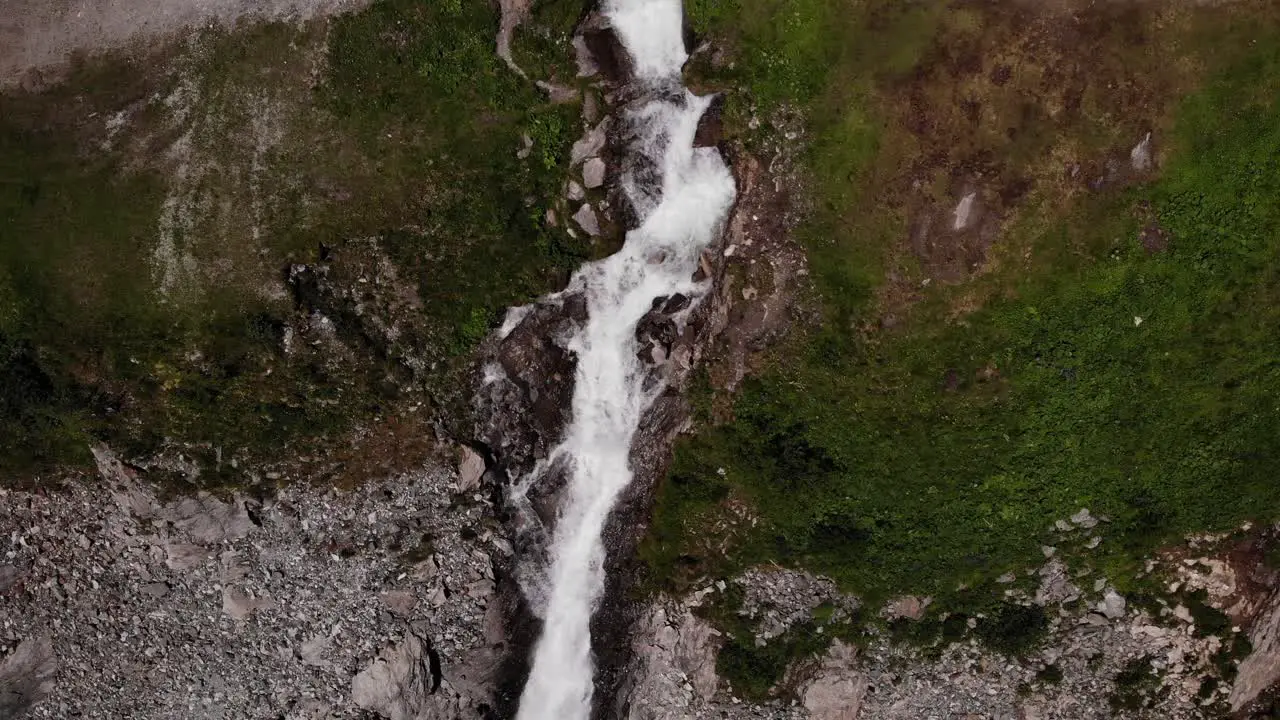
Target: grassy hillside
{"x": 1103, "y": 339}
{"x": 151, "y": 207}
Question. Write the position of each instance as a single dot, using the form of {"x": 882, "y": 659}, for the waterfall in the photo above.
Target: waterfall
{"x": 680, "y": 214}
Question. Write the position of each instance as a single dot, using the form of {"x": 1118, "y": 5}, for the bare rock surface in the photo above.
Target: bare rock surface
{"x": 310, "y": 602}
{"x": 1261, "y": 669}
{"x": 40, "y": 36}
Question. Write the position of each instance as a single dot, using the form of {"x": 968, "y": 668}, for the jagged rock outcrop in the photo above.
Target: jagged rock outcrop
{"x": 1260, "y": 671}
{"x": 673, "y": 665}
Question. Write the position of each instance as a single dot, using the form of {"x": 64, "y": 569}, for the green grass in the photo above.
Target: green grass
{"x": 939, "y": 456}
{"x": 408, "y": 137}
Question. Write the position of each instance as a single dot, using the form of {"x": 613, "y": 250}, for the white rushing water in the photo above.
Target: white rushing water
{"x": 658, "y": 258}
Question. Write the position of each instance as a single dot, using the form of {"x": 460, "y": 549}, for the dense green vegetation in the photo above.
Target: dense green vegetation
{"x": 1140, "y": 383}
{"x": 396, "y": 123}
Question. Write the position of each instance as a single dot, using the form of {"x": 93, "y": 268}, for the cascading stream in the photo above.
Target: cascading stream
{"x": 658, "y": 258}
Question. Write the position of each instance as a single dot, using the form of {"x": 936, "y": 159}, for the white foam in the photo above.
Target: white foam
{"x": 658, "y": 258}
{"x": 652, "y": 31}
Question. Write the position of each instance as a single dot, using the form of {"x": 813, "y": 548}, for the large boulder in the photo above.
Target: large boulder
{"x": 26, "y": 676}
{"x": 398, "y": 684}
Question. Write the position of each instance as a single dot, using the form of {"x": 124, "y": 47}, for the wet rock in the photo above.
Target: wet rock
{"x": 399, "y": 683}
{"x": 521, "y": 414}
{"x": 604, "y": 52}
{"x": 711, "y": 125}
{"x": 593, "y": 172}
{"x": 27, "y": 676}
{"x": 658, "y": 328}
{"x": 582, "y": 55}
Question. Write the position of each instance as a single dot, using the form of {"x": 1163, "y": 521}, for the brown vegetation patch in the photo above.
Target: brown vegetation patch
{"x": 1015, "y": 106}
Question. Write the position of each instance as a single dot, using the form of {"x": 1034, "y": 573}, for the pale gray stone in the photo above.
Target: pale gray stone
{"x": 593, "y": 173}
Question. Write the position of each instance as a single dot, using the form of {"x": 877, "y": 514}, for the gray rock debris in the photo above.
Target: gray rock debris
{"x": 239, "y": 604}
{"x": 780, "y": 598}
{"x": 191, "y": 609}
{"x": 27, "y": 676}
{"x": 1055, "y": 584}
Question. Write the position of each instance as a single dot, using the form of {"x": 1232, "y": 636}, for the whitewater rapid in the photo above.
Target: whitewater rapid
{"x": 659, "y": 258}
